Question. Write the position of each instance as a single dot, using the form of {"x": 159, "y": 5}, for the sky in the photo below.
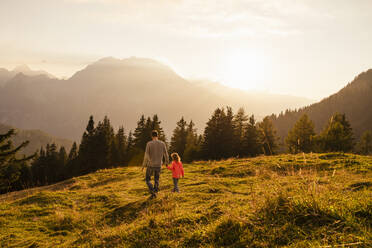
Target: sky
{"x": 309, "y": 48}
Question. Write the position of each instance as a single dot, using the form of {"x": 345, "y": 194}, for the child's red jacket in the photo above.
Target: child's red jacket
{"x": 177, "y": 169}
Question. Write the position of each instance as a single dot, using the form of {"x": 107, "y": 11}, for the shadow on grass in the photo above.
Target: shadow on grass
{"x": 360, "y": 186}
{"x": 126, "y": 214}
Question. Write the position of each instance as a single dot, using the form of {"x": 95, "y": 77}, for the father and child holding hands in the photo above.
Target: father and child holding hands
{"x": 156, "y": 154}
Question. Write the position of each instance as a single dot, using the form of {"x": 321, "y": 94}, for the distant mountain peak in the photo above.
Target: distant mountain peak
{"x": 107, "y": 60}
{"x": 26, "y": 70}
{"x": 131, "y": 61}
{"x": 22, "y": 68}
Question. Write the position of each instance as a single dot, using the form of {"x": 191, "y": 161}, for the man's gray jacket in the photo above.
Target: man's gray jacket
{"x": 155, "y": 151}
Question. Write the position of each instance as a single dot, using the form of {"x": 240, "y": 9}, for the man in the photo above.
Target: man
{"x": 155, "y": 151}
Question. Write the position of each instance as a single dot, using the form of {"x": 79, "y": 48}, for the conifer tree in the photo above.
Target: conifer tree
{"x": 300, "y": 137}
{"x": 140, "y": 135}
{"x": 129, "y": 148}
{"x": 87, "y": 149}
{"x": 218, "y": 139}
{"x": 103, "y": 137}
{"x": 155, "y": 125}
{"x": 52, "y": 164}
{"x": 121, "y": 146}
{"x": 73, "y": 153}
{"x": 268, "y": 137}
{"x": 228, "y": 135}
{"x": 365, "y": 143}
{"x": 7, "y": 152}
{"x": 212, "y": 148}
{"x": 337, "y": 136}
{"x": 179, "y": 138}
{"x": 62, "y": 161}
{"x": 251, "y": 143}
{"x": 240, "y": 122}
{"x": 14, "y": 172}
{"x": 72, "y": 162}
{"x": 193, "y": 144}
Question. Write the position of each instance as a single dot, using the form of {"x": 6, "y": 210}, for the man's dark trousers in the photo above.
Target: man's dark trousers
{"x": 156, "y": 172}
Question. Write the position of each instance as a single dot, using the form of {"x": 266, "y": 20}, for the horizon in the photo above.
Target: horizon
{"x": 21, "y": 67}
{"x": 304, "y": 49}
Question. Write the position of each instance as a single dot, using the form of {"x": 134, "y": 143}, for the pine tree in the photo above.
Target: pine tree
{"x": 7, "y": 152}
{"x": 140, "y": 135}
{"x": 240, "y": 122}
{"x": 72, "y": 162}
{"x": 228, "y": 137}
{"x": 14, "y": 172}
{"x": 218, "y": 139}
{"x": 103, "y": 137}
{"x": 179, "y": 138}
{"x": 87, "y": 149}
{"x": 129, "y": 149}
{"x": 365, "y": 143}
{"x": 73, "y": 153}
{"x": 121, "y": 143}
{"x": 193, "y": 144}
{"x": 38, "y": 168}
{"x": 52, "y": 164}
{"x": 268, "y": 137}
{"x": 212, "y": 148}
{"x": 337, "y": 136}
{"x": 251, "y": 139}
{"x": 300, "y": 138}
{"x": 62, "y": 161}
{"x": 155, "y": 125}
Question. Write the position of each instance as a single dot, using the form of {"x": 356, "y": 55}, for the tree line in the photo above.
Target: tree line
{"x": 227, "y": 134}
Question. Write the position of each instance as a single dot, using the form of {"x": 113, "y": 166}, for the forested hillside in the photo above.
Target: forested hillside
{"x": 354, "y": 100}
{"x": 37, "y": 139}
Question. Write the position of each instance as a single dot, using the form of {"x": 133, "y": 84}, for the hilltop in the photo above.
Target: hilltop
{"x": 300, "y": 200}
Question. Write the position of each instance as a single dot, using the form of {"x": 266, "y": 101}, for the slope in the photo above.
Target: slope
{"x": 355, "y": 100}
{"x": 37, "y": 139}
{"x": 294, "y": 201}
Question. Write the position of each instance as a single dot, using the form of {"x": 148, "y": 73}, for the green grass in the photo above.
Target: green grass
{"x": 311, "y": 200}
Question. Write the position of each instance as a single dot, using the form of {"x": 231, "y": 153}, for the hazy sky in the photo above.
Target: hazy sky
{"x": 308, "y": 48}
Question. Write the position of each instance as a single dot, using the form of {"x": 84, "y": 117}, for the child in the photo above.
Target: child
{"x": 177, "y": 170}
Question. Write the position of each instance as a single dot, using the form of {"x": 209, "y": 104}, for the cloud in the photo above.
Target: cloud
{"x": 208, "y": 17}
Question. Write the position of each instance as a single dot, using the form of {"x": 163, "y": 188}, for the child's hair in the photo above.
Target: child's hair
{"x": 176, "y": 157}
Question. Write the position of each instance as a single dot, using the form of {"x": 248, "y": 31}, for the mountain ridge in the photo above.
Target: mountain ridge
{"x": 123, "y": 89}
{"x": 37, "y": 139}
{"x": 353, "y": 100}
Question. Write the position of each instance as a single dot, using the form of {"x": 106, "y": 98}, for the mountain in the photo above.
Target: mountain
{"x": 266, "y": 201}
{"x": 123, "y": 90}
{"x": 254, "y": 101}
{"x": 354, "y": 100}
{"x": 37, "y": 139}
{"x": 6, "y": 75}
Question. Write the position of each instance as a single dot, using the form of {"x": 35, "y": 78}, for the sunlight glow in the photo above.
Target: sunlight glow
{"x": 245, "y": 70}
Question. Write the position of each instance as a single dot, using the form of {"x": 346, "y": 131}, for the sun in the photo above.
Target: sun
{"x": 244, "y": 70}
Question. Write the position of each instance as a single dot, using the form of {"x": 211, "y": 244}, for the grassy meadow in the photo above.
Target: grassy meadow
{"x": 304, "y": 200}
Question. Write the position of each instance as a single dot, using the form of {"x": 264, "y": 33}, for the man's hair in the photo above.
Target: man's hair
{"x": 154, "y": 133}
